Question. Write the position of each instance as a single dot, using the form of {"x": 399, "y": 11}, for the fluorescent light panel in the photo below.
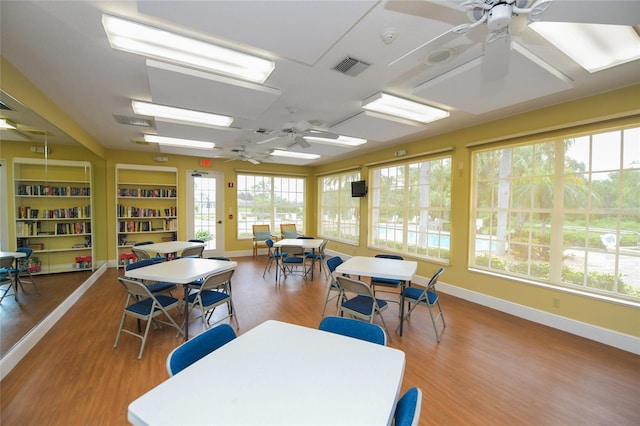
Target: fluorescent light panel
{"x": 404, "y": 108}
{"x": 161, "y": 112}
{"x": 594, "y": 46}
{"x": 292, "y": 154}
{"x": 156, "y": 43}
{"x": 6, "y": 124}
{"x": 185, "y": 143}
{"x": 341, "y": 140}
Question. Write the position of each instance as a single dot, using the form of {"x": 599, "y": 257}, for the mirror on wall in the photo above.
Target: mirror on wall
{"x": 49, "y": 183}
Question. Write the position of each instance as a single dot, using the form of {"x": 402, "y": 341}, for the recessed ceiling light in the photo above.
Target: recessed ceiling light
{"x": 293, "y": 154}
{"x": 168, "y": 113}
{"x": 161, "y": 44}
{"x": 594, "y": 46}
{"x": 185, "y": 143}
{"x": 404, "y": 108}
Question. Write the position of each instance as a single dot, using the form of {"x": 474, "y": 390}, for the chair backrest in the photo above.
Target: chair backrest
{"x": 139, "y": 264}
{"x": 350, "y": 285}
{"x": 143, "y": 243}
{"x": 6, "y": 262}
{"x": 408, "y": 408}
{"x": 226, "y": 259}
{"x": 217, "y": 280}
{"x": 269, "y": 242}
{"x": 389, "y": 256}
{"x": 434, "y": 279}
{"x": 192, "y": 251}
{"x": 261, "y": 232}
{"x": 196, "y": 241}
{"x": 140, "y": 254}
{"x": 353, "y": 328}
{"x": 288, "y": 230}
{"x": 135, "y": 288}
{"x": 27, "y": 252}
{"x": 333, "y": 263}
{"x": 199, "y": 347}
{"x": 292, "y": 250}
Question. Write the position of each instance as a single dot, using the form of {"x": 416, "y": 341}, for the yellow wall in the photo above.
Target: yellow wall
{"x": 614, "y": 105}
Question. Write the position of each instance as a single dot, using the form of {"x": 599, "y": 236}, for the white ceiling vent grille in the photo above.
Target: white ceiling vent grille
{"x": 351, "y": 66}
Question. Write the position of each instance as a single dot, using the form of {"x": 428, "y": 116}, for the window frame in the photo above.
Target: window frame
{"x": 343, "y": 191}
{"x": 428, "y": 224}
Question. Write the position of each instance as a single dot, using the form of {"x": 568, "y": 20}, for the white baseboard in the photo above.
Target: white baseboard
{"x": 603, "y": 335}
{"x": 20, "y": 349}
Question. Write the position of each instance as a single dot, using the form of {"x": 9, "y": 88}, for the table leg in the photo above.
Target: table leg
{"x": 277, "y": 262}
{"x": 186, "y": 312}
{"x": 402, "y": 287}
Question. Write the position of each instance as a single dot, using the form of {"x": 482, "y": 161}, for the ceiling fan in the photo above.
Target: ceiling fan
{"x": 243, "y": 155}
{"x": 502, "y": 17}
{"x": 296, "y": 131}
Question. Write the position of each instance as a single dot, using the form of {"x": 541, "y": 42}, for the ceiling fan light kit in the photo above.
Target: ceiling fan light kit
{"x": 153, "y": 42}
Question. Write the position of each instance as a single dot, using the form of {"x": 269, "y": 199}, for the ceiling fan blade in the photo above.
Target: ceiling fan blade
{"x": 302, "y": 142}
{"x": 253, "y": 160}
{"x": 614, "y": 12}
{"x": 420, "y": 54}
{"x": 321, "y": 134}
{"x": 497, "y": 49}
{"x": 268, "y": 140}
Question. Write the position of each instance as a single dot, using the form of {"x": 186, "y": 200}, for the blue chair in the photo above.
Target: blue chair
{"x": 428, "y": 297}
{"x": 272, "y": 255}
{"x": 145, "y": 306}
{"x": 155, "y": 287}
{"x": 293, "y": 262}
{"x": 408, "y": 408}
{"x": 332, "y": 264}
{"x": 22, "y": 269}
{"x": 200, "y": 346}
{"x": 6, "y": 276}
{"x": 363, "y": 305}
{"x": 318, "y": 256}
{"x": 353, "y": 328}
{"x": 213, "y": 292}
{"x": 385, "y": 282}
{"x": 141, "y": 254}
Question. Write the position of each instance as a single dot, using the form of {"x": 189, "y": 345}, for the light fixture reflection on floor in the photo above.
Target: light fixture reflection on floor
{"x": 161, "y": 44}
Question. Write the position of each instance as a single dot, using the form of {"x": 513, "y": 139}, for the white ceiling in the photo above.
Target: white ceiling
{"x": 62, "y": 48}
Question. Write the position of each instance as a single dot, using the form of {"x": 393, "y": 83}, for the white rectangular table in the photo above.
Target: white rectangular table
{"x": 304, "y": 243}
{"x": 181, "y": 271}
{"x": 280, "y": 374}
{"x": 403, "y": 270}
{"x": 16, "y": 255}
{"x": 167, "y": 247}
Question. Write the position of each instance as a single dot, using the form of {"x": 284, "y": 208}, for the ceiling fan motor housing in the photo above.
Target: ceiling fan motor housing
{"x": 499, "y": 16}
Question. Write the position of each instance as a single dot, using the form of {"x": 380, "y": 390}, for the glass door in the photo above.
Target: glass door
{"x": 205, "y": 210}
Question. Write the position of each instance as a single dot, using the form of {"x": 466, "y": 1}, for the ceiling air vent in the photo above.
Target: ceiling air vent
{"x": 351, "y": 66}
{"x": 133, "y": 121}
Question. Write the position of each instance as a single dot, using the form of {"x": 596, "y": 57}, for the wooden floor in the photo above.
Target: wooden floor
{"x": 489, "y": 369}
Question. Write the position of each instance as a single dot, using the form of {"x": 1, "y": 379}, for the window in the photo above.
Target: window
{"x": 563, "y": 212}
{"x": 410, "y": 208}
{"x": 339, "y": 211}
{"x": 269, "y": 200}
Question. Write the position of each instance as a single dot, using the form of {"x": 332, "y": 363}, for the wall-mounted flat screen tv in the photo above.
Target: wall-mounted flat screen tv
{"x": 358, "y": 188}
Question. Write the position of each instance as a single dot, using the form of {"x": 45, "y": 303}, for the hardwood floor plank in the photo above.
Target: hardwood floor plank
{"x": 490, "y": 368}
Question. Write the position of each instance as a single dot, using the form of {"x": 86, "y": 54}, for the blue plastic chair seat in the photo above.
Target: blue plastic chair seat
{"x": 415, "y": 293}
{"x": 143, "y": 307}
{"x": 293, "y": 259}
{"x": 160, "y": 287}
{"x": 385, "y": 281}
{"x": 209, "y": 297}
{"x": 363, "y": 304}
